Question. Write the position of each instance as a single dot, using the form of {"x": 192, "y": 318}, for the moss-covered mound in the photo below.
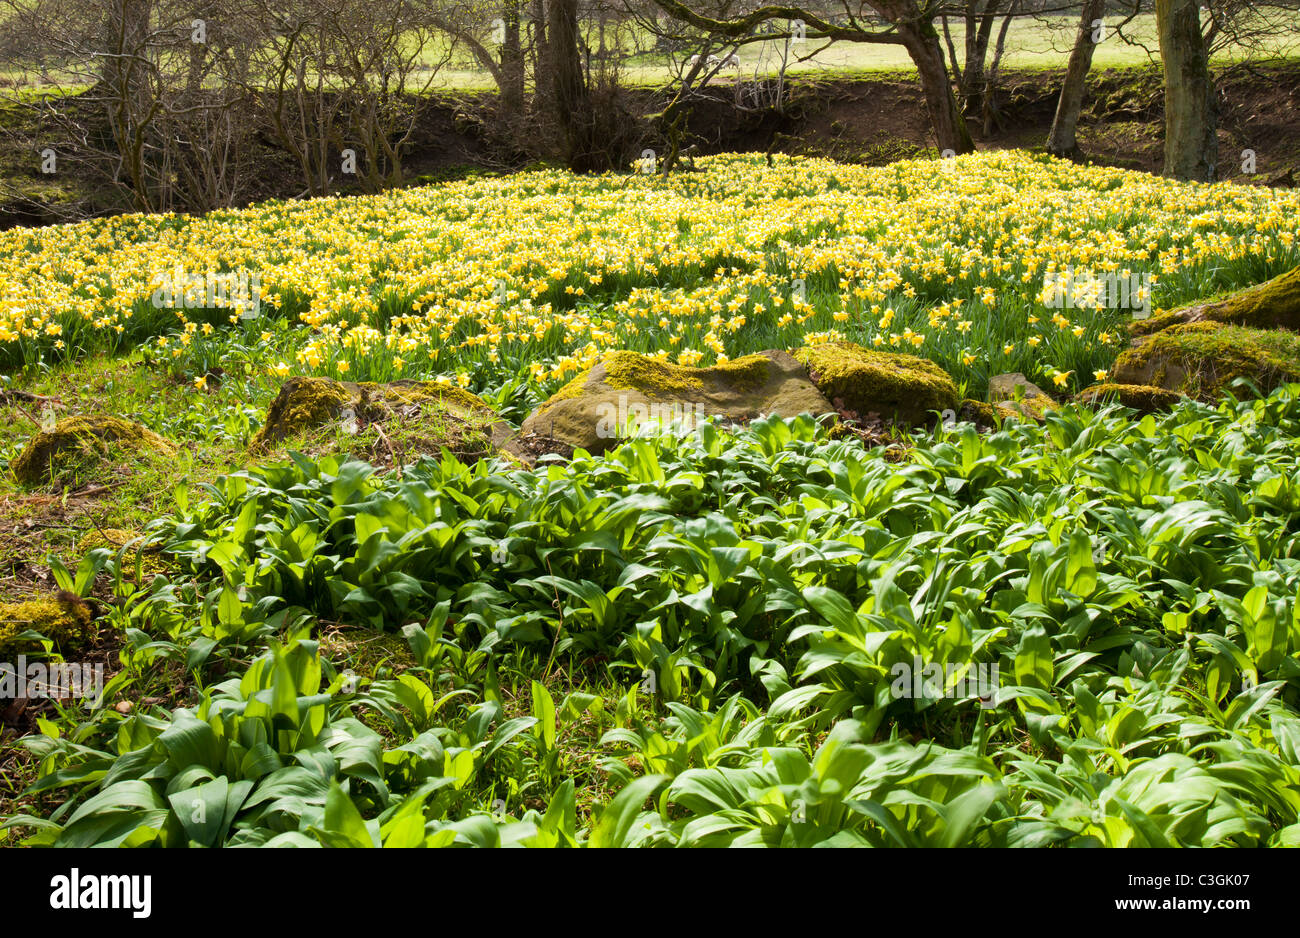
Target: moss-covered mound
{"x": 390, "y": 423}
{"x": 64, "y": 622}
{"x": 78, "y": 443}
{"x": 303, "y": 404}
{"x": 1140, "y": 397}
{"x": 1014, "y": 395}
{"x": 625, "y": 392}
{"x": 898, "y": 387}
{"x": 980, "y": 413}
{"x": 1202, "y": 359}
{"x": 1274, "y": 304}
{"x": 125, "y": 544}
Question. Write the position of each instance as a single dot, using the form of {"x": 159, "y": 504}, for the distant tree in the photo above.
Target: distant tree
{"x": 979, "y": 17}
{"x": 1063, "y": 139}
{"x": 909, "y": 23}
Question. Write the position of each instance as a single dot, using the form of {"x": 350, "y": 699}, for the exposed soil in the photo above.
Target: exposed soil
{"x": 880, "y": 119}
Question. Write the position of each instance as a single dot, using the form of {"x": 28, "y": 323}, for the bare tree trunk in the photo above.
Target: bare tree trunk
{"x": 1062, "y": 140}
{"x": 512, "y": 68}
{"x": 991, "y": 86}
{"x": 922, "y": 44}
{"x": 979, "y": 30}
{"x": 1191, "y": 118}
{"x": 569, "y": 106}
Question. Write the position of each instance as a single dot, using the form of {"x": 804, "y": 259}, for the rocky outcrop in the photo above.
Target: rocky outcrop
{"x": 1274, "y": 304}
{"x": 896, "y": 387}
{"x": 625, "y": 393}
{"x": 421, "y": 416}
{"x": 1202, "y": 359}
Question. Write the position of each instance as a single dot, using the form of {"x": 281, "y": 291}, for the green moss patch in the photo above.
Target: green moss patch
{"x": 1140, "y": 397}
{"x": 67, "y": 624}
{"x": 901, "y": 387}
{"x": 79, "y": 444}
{"x": 980, "y": 413}
{"x": 390, "y": 424}
{"x": 128, "y": 545}
{"x": 1202, "y": 359}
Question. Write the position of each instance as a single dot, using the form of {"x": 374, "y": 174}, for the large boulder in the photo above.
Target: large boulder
{"x": 1202, "y": 359}
{"x": 894, "y": 386}
{"x": 1014, "y": 395}
{"x": 394, "y": 422}
{"x": 626, "y": 392}
{"x": 76, "y": 443}
{"x": 1274, "y": 304}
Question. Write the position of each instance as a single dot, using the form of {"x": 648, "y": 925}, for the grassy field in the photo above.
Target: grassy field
{"x": 1082, "y": 632}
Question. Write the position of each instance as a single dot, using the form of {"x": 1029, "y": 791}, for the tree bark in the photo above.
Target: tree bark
{"x": 1191, "y": 118}
{"x": 512, "y": 67}
{"x": 922, "y": 44}
{"x": 1062, "y": 140}
{"x": 979, "y": 30}
{"x": 991, "y": 86}
{"x": 570, "y": 105}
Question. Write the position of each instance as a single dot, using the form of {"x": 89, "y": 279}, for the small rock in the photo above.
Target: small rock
{"x": 1033, "y": 402}
{"x": 1142, "y": 398}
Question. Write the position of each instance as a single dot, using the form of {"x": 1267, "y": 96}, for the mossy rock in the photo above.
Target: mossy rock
{"x": 980, "y": 413}
{"x": 1014, "y": 395}
{"x": 1274, "y": 304}
{"x": 75, "y": 442}
{"x": 303, "y": 404}
{"x": 1202, "y": 359}
{"x": 425, "y": 415}
{"x": 63, "y": 622}
{"x": 1140, "y": 397}
{"x": 892, "y": 385}
{"x": 624, "y": 390}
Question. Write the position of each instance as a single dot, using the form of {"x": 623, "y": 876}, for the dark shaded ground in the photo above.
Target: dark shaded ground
{"x": 874, "y": 119}
{"x": 879, "y": 119}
